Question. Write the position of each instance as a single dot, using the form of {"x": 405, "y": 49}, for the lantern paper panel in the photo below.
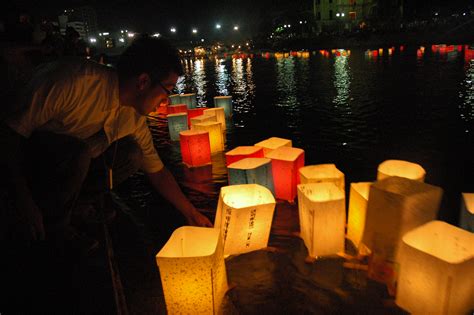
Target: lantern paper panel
{"x": 189, "y": 99}
{"x": 321, "y": 208}
{"x": 219, "y": 113}
{"x": 192, "y": 271}
{"x": 195, "y": 148}
{"x": 401, "y": 169}
{"x": 273, "y": 143}
{"x": 396, "y": 206}
{"x": 224, "y": 102}
{"x": 322, "y": 173}
{"x": 358, "y": 198}
{"x": 244, "y": 216}
{"x": 176, "y": 124}
{"x": 216, "y": 137}
{"x": 175, "y": 99}
{"x": 467, "y": 212}
{"x": 174, "y": 109}
{"x": 242, "y": 152}
{"x": 201, "y": 119}
{"x": 437, "y": 270}
{"x": 252, "y": 171}
{"x": 286, "y": 162}
{"x": 194, "y": 112}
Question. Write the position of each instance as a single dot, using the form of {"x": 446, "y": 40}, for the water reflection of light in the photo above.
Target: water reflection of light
{"x": 199, "y": 81}
{"x": 467, "y": 96}
{"x": 180, "y": 85}
{"x": 342, "y": 81}
{"x": 222, "y": 81}
{"x": 243, "y": 89}
{"x": 287, "y": 96}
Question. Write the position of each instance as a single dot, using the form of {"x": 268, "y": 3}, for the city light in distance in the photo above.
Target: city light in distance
{"x": 173, "y": 30}
{"x": 122, "y": 40}
{"x": 130, "y": 35}
{"x": 195, "y": 30}
{"x": 202, "y": 40}
{"x": 93, "y": 40}
{"x": 218, "y": 26}
{"x": 236, "y": 28}
{"x": 156, "y": 35}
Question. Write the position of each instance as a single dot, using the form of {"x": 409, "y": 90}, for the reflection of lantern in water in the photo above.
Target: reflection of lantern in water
{"x": 216, "y": 137}
{"x": 243, "y": 152}
{"x": 175, "y": 99}
{"x": 195, "y": 112}
{"x": 322, "y": 218}
{"x": 219, "y": 113}
{"x": 201, "y": 119}
{"x": 401, "y": 169}
{"x": 252, "y": 171}
{"x": 466, "y": 220}
{"x": 177, "y": 123}
{"x": 358, "y": 197}
{"x": 273, "y": 143}
{"x": 189, "y": 99}
{"x": 436, "y": 270}
{"x": 180, "y": 108}
{"x": 195, "y": 147}
{"x": 322, "y": 173}
{"x": 396, "y": 206}
{"x": 244, "y": 216}
{"x": 224, "y": 102}
{"x": 286, "y": 162}
{"x": 192, "y": 271}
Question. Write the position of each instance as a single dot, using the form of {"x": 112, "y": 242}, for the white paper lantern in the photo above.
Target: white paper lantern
{"x": 189, "y": 99}
{"x": 224, "y": 102}
{"x": 437, "y": 270}
{"x": 192, "y": 271}
{"x": 219, "y": 113}
{"x": 322, "y": 173}
{"x": 358, "y": 198}
{"x": 273, "y": 143}
{"x": 322, "y": 218}
{"x": 252, "y": 171}
{"x": 177, "y": 123}
{"x": 201, "y": 119}
{"x": 467, "y": 212}
{"x": 244, "y": 216}
{"x": 401, "y": 169}
{"x": 216, "y": 137}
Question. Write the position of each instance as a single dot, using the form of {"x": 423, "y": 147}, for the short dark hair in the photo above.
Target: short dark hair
{"x": 151, "y": 55}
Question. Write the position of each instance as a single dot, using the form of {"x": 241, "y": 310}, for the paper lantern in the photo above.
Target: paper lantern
{"x": 195, "y": 147}
{"x": 175, "y": 99}
{"x": 194, "y": 112}
{"x": 322, "y": 213}
{"x": 192, "y": 271}
{"x": 252, "y": 171}
{"x": 201, "y": 119}
{"x": 273, "y": 143}
{"x": 189, "y": 99}
{"x": 358, "y": 197}
{"x": 401, "y": 169}
{"x": 177, "y": 123}
{"x": 437, "y": 270}
{"x": 180, "y": 108}
{"x": 244, "y": 216}
{"x": 219, "y": 113}
{"x": 286, "y": 161}
{"x": 322, "y": 173}
{"x": 224, "y": 102}
{"x": 242, "y": 152}
{"x": 467, "y": 212}
{"x": 396, "y": 206}
{"x": 216, "y": 137}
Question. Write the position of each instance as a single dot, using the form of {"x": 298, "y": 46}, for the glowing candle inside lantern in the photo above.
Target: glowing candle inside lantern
{"x": 195, "y": 112}
{"x": 175, "y": 99}
{"x": 195, "y": 147}
{"x": 189, "y": 99}
{"x": 467, "y": 212}
{"x": 177, "y": 123}
{"x": 219, "y": 113}
{"x": 273, "y": 143}
{"x": 437, "y": 270}
{"x": 192, "y": 271}
{"x": 322, "y": 173}
{"x": 242, "y": 152}
{"x": 244, "y": 216}
{"x": 322, "y": 218}
{"x": 252, "y": 171}
{"x": 286, "y": 161}
{"x": 216, "y": 137}
{"x": 358, "y": 198}
{"x": 401, "y": 169}
{"x": 201, "y": 119}
{"x": 180, "y": 108}
{"x": 224, "y": 102}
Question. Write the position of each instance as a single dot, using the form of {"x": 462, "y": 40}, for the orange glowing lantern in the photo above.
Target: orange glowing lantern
{"x": 216, "y": 137}
{"x": 322, "y": 218}
{"x": 195, "y": 112}
{"x": 192, "y": 271}
{"x": 189, "y": 99}
{"x": 252, "y": 171}
{"x": 437, "y": 270}
{"x": 175, "y": 109}
{"x": 286, "y": 162}
{"x": 401, "y": 169}
{"x": 177, "y": 123}
{"x": 201, "y": 119}
{"x": 195, "y": 147}
{"x": 224, "y": 102}
{"x": 396, "y": 206}
{"x": 322, "y": 173}
{"x": 381, "y": 51}
{"x": 467, "y": 212}
{"x": 358, "y": 198}
{"x": 273, "y": 143}
{"x": 219, "y": 113}
{"x": 175, "y": 99}
{"x": 244, "y": 216}
{"x": 242, "y": 152}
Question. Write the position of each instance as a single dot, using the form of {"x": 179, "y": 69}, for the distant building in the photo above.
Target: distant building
{"x": 83, "y": 19}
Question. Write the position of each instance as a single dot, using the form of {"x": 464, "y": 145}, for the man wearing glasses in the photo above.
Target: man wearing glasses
{"x": 82, "y": 130}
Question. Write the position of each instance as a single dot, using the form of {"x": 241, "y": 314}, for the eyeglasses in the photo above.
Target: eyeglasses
{"x": 168, "y": 92}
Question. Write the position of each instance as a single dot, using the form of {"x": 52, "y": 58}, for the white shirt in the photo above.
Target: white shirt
{"x": 80, "y": 98}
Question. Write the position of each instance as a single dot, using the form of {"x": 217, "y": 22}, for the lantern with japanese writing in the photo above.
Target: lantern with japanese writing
{"x": 252, "y": 171}
{"x": 216, "y": 137}
{"x": 189, "y": 99}
{"x": 224, "y": 102}
{"x": 396, "y": 206}
{"x": 467, "y": 212}
{"x": 322, "y": 173}
{"x": 219, "y": 113}
{"x": 195, "y": 147}
{"x": 180, "y": 108}
{"x": 358, "y": 198}
{"x": 242, "y": 152}
{"x": 321, "y": 208}
{"x": 273, "y": 143}
{"x": 177, "y": 123}
{"x": 175, "y": 99}
{"x": 194, "y": 112}
{"x": 401, "y": 169}
{"x": 286, "y": 162}
{"x": 244, "y": 216}
{"x": 201, "y": 119}
{"x": 192, "y": 271}
{"x": 437, "y": 270}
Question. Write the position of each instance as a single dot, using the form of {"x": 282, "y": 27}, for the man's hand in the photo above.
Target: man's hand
{"x": 32, "y": 219}
{"x": 198, "y": 219}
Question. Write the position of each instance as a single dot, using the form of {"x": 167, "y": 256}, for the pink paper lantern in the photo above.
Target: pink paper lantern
{"x": 194, "y": 112}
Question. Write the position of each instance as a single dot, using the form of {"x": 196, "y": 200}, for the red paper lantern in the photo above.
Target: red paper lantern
{"x": 174, "y": 109}
{"x": 243, "y": 152}
{"x": 194, "y": 112}
{"x": 195, "y": 147}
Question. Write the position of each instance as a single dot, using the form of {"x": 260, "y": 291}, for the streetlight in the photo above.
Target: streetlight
{"x": 218, "y": 26}
{"x": 156, "y": 35}
{"x": 236, "y": 28}
{"x": 173, "y": 30}
{"x": 195, "y": 30}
